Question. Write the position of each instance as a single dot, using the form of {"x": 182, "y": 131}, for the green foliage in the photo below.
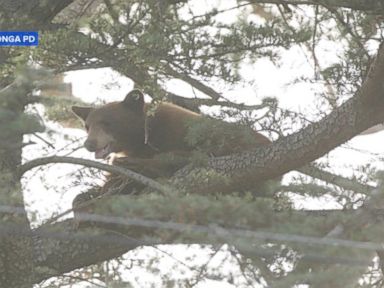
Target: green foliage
{"x": 216, "y": 137}
{"x": 202, "y": 46}
{"x": 15, "y": 97}
{"x": 13, "y": 121}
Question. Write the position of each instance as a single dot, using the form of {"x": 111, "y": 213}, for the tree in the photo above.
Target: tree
{"x": 151, "y": 42}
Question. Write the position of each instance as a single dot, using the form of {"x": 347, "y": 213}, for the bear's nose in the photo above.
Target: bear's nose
{"x": 90, "y": 145}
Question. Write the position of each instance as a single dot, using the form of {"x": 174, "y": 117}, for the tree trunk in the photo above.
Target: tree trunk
{"x": 16, "y": 253}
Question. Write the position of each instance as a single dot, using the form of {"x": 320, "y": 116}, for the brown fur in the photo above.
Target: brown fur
{"x": 124, "y": 127}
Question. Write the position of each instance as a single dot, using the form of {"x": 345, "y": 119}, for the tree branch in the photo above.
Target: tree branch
{"x": 194, "y": 83}
{"x": 362, "y": 111}
{"x": 337, "y": 180}
{"x": 60, "y": 248}
{"x": 94, "y": 164}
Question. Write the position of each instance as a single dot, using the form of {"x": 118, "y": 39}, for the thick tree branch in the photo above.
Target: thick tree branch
{"x": 60, "y": 248}
{"x": 362, "y": 111}
{"x": 56, "y": 243}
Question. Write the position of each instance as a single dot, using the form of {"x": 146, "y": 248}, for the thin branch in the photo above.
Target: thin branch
{"x": 94, "y": 164}
{"x": 82, "y": 205}
{"x": 348, "y": 29}
{"x": 330, "y": 96}
{"x": 194, "y": 83}
{"x": 337, "y": 180}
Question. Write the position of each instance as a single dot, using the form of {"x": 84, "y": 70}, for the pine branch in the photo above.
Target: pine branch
{"x": 94, "y": 164}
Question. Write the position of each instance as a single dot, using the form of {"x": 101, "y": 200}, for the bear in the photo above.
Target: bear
{"x": 140, "y": 135}
{"x": 123, "y": 127}
{"x": 128, "y": 128}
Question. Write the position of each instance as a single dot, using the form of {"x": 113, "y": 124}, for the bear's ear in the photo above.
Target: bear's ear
{"x": 134, "y": 100}
{"x": 81, "y": 112}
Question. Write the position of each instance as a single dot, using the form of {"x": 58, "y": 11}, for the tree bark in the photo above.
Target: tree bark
{"x": 16, "y": 254}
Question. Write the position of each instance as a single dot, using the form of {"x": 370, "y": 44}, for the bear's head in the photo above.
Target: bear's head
{"x": 115, "y": 127}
